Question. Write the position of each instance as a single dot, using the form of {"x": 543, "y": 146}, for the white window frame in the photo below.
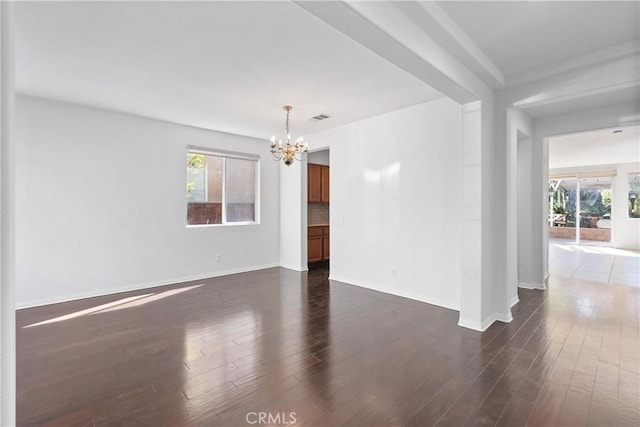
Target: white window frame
{"x": 224, "y": 154}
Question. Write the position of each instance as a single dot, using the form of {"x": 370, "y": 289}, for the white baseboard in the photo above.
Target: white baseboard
{"x": 294, "y": 268}
{"x": 148, "y": 285}
{"x": 484, "y": 325}
{"x": 515, "y": 300}
{"x": 398, "y": 293}
{"x": 503, "y": 317}
{"x": 526, "y": 285}
{"x": 472, "y": 324}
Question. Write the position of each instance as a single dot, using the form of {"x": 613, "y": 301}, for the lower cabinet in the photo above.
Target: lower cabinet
{"x": 318, "y": 243}
{"x": 325, "y": 243}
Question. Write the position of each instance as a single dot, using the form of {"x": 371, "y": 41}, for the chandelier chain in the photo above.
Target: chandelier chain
{"x": 287, "y": 126}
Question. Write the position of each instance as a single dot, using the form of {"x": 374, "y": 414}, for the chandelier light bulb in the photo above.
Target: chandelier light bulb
{"x": 288, "y": 151}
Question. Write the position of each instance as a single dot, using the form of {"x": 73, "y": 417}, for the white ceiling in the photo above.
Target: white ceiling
{"x": 520, "y": 35}
{"x": 228, "y": 66}
{"x": 585, "y": 102}
{"x": 601, "y": 147}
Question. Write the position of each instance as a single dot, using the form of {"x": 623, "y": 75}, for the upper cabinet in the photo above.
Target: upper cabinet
{"x": 318, "y": 183}
{"x": 314, "y": 183}
{"x": 324, "y": 181}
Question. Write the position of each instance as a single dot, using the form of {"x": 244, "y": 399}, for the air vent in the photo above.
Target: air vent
{"x": 319, "y": 117}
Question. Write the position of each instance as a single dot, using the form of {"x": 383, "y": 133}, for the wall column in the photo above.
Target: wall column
{"x": 293, "y": 216}
{"x": 471, "y": 313}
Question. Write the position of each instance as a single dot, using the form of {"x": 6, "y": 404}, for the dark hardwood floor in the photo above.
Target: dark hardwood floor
{"x": 280, "y": 342}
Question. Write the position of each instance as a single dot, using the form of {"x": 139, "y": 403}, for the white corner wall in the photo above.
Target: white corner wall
{"x": 100, "y": 205}
{"x": 396, "y": 202}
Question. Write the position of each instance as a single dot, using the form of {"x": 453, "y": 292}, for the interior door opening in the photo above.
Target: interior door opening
{"x": 318, "y": 199}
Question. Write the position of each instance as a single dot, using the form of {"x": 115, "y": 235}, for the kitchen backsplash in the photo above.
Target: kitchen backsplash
{"x": 318, "y": 213}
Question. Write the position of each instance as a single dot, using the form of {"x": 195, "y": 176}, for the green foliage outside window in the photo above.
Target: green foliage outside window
{"x": 634, "y": 208}
{"x": 634, "y": 195}
{"x": 595, "y": 201}
{"x": 195, "y": 165}
{"x": 558, "y": 208}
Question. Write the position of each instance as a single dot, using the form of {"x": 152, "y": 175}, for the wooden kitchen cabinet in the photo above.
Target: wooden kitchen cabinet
{"x": 318, "y": 183}
{"x": 318, "y": 243}
{"x": 325, "y": 243}
{"x": 314, "y": 183}
{"x": 314, "y": 244}
{"x": 324, "y": 184}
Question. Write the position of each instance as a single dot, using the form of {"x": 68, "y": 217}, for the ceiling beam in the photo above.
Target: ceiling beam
{"x": 589, "y": 59}
{"x": 490, "y": 73}
{"x": 386, "y": 30}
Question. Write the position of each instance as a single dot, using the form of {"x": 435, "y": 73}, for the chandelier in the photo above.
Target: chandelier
{"x": 287, "y": 150}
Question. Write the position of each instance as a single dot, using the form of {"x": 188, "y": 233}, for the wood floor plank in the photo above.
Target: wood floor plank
{"x": 573, "y": 410}
{"x": 276, "y": 341}
{"x": 548, "y": 406}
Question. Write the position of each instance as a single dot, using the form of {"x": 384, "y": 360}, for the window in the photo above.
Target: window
{"x": 221, "y": 187}
{"x": 634, "y": 195}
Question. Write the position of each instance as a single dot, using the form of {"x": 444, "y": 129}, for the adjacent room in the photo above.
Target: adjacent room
{"x": 594, "y": 231}
{"x": 320, "y": 213}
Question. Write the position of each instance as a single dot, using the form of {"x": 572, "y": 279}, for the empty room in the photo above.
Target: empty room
{"x": 320, "y": 213}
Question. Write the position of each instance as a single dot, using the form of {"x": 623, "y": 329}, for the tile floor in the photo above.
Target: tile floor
{"x": 595, "y": 263}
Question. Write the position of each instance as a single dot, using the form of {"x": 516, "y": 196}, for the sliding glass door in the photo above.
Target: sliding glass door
{"x": 595, "y": 209}
{"x": 562, "y": 208}
{"x": 580, "y": 209}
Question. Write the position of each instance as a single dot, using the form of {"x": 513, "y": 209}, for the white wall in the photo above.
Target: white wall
{"x": 320, "y": 157}
{"x": 100, "y": 204}
{"x": 496, "y": 296}
{"x": 471, "y": 290}
{"x": 396, "y": 199}
{"x": 520, "y": 210}
{"x": 7, "y": 215}
{"x": 526, "y": 212}
{"x": 626, "y": 231}
{"x": 293, "y": 216}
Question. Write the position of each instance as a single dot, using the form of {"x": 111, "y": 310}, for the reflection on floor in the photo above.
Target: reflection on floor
{"x": 304, "y": 350}
{"x": 594, "y": 263}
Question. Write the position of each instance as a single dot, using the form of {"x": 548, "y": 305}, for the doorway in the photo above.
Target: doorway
{"x": 318, "y": 205}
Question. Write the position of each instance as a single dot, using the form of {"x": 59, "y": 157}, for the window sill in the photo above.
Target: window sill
{"x": 228, "y": 224}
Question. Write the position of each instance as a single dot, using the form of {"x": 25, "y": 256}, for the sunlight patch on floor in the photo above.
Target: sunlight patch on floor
{"x": 124, "y": 303}
{"x": 596, "y": 249}
{"x": 599, "y": 264}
